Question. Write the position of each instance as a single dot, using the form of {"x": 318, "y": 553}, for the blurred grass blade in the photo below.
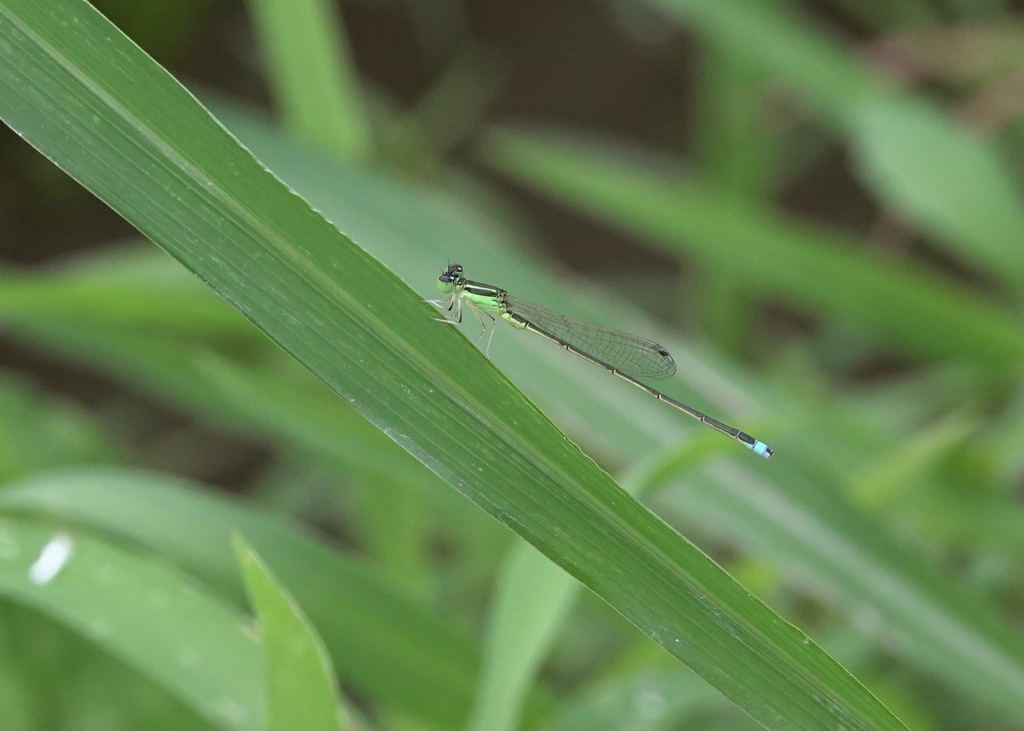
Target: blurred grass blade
{"x": 821, "y": 270}
{"x": 771, "y": 37}
{"x": 300, "y": 683}
{"x": 316, "y": 87}
{"x": 670, "y": 698}
{"x": 418, "y": 140}
{"x": 174, "y": 338}
{"x": 39, "y": 431}
{"x": 923, "y": 164}
{"x": 533, "y": 599}
{"x": 426, "y": 666}
{"x": 945, "y": 179}
{"x": 74, "y": 298}
{"x": 78, "y": 90}
{"x": 916, "y": 612}
{"x": 735, "y": 152}
{"x": 883, "y": 14}
{"x": 737, "y": 157}
{"x": 196, "y": 647}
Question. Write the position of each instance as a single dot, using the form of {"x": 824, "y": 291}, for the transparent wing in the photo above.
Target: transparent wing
{"x": 632, "y": 355}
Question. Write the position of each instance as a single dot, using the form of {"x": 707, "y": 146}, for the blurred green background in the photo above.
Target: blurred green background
{"x": 816, "y": 206}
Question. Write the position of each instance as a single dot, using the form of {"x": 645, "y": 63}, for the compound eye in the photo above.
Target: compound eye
{"x": 451, "y": 274}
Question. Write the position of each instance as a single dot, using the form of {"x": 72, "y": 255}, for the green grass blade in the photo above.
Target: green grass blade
{"x": 76, "y": 299}
{"x": 937, "y": 173}
{"x": 670, "y": 698}
{"x": 533, "y": 600}
{"x": 772, "y": 37}
{"x": 945, "y": 179}
{"x": 300, "y": 681}
{"x": 819, "y": 269}
{"x": 424, "y": 664}
{"x": 312, "y": 77}
{"x": 77, "y": 89}
{"x": 177, "y": 340}
{"x": 195, "y": 646}
{"x": 39, "y": 432}
{"x": 737, "y": 157}
{"x": 947, "y": 630}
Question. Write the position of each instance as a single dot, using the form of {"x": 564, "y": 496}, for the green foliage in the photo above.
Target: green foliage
{"x": 300, "y": 684}
{"x": 886, "y": 528}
